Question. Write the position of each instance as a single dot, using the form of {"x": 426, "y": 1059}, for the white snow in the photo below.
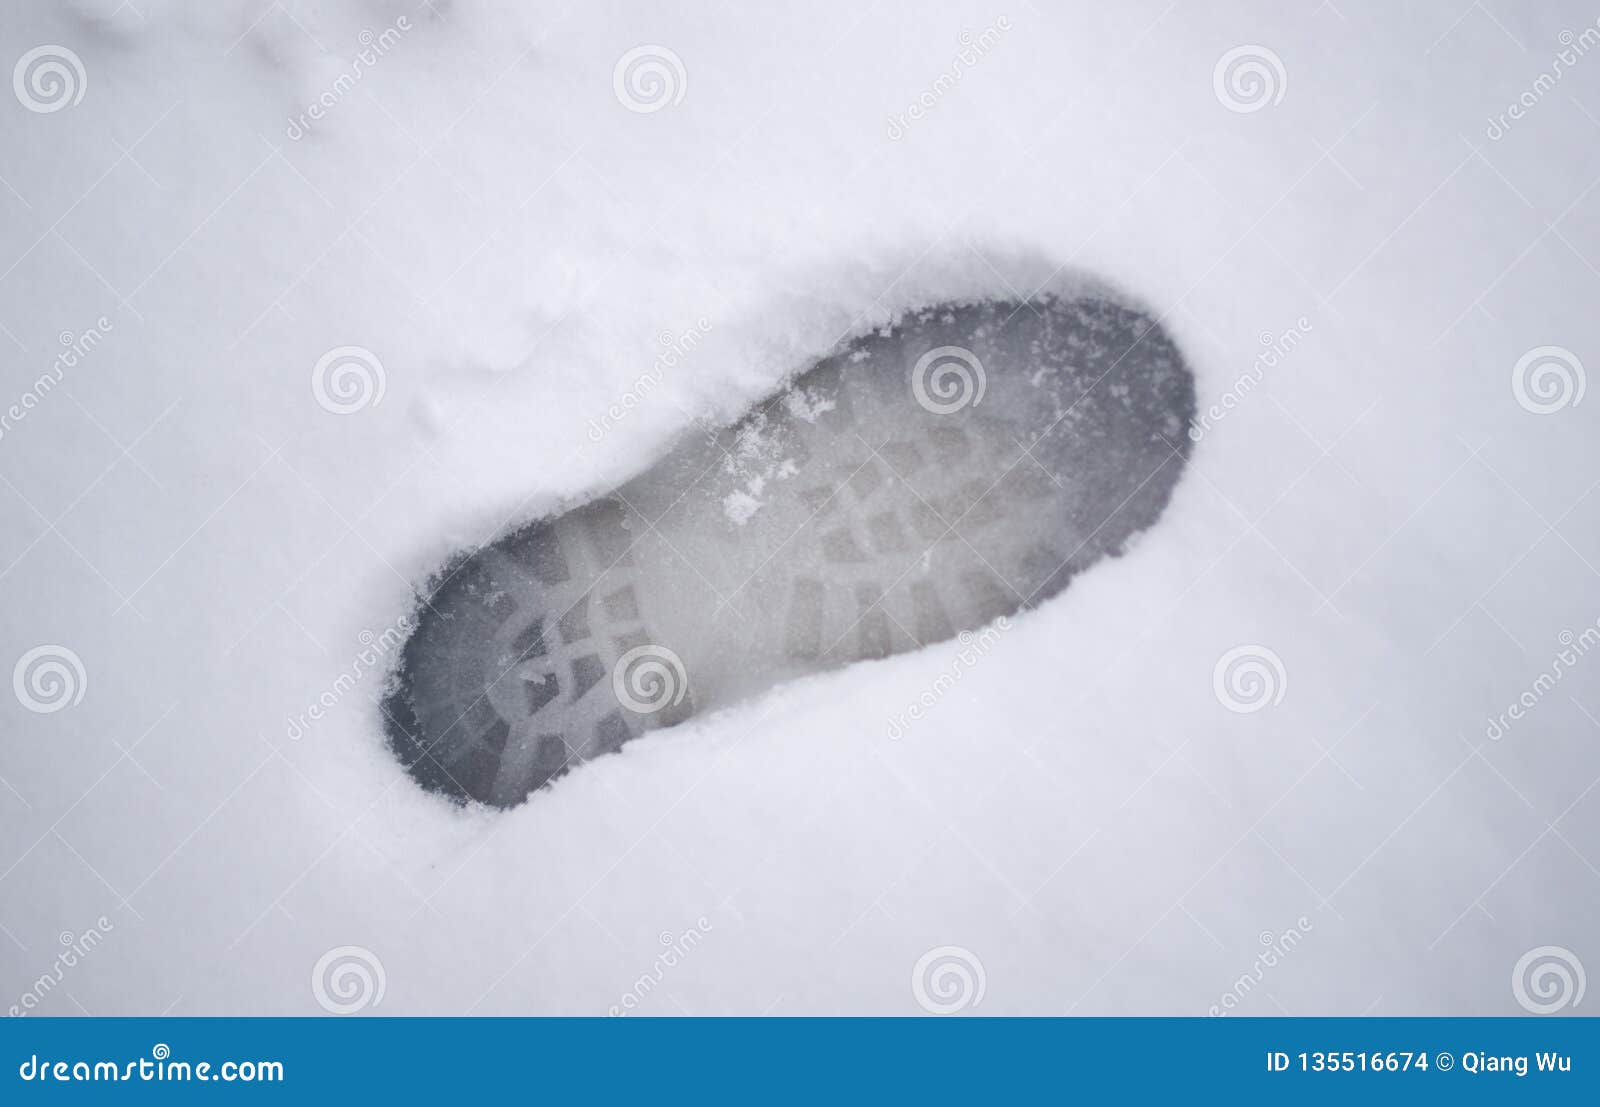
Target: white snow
{"x": 740, "y": 507}
{"x": 507, "y": 242}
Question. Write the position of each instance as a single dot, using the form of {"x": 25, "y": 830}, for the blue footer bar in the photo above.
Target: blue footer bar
{"x": 804, "y": 1060}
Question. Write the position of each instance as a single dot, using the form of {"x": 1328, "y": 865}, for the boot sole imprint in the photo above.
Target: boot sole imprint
{"x": 924, "y": 479}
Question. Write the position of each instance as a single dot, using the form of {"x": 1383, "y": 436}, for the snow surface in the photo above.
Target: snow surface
{"x": 516, "y": 247}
